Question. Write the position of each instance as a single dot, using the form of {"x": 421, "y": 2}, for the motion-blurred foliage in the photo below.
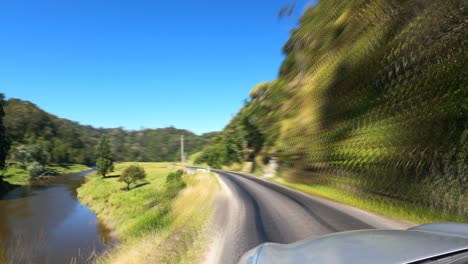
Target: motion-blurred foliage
{"x": 372, "y": 97}
{"x": 69, "y": 142}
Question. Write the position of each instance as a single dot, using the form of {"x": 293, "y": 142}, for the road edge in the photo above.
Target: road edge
{"x": 376, "y": 220}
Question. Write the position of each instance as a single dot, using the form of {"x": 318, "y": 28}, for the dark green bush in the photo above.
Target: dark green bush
{"x": 175, "y": 176}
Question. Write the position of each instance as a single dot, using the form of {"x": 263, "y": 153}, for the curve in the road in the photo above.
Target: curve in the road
{"x": 254, "y": 211}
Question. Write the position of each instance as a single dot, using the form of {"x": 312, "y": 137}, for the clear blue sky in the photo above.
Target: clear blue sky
{"x": 141, "y": 63}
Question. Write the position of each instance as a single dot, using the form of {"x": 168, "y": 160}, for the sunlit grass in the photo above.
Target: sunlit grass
{"x": 192, "y": 158}
{"x": 384, "y": 206}
{"x": 125, "y": 209}
{"x": 389, "y": 207}
{"x": 233, "y": 167}
{"x": 153, "y": 226}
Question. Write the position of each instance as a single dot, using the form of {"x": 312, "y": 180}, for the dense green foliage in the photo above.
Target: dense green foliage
{"x": 31, "y": 158}
{"x": 372, "y": 98}
{"x": 4, "y": 147}
{"x": 132, "y": 174}
{"x": 65, "y": 141}
{"x": 104, "y": 160}
{"x": 174, "y": 176}
{"x": 35, "y": 169}
{"x": 25, "y": 154}
{"x": 174, "y": 183}
{"x": 4, "y": 144}
{"x": 253, "y": 130}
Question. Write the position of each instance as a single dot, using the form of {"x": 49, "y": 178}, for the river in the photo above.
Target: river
{"x": 45, "y": 223}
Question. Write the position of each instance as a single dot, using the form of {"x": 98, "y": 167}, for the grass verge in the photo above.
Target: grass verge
{"x": 156, "y": 222}
{"x": 391, "y": 208}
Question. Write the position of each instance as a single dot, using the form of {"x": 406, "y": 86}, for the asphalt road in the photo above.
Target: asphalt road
{"x": 252, "y": 211}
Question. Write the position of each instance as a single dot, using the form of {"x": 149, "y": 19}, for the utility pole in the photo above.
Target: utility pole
{"x": 182, "y": 158}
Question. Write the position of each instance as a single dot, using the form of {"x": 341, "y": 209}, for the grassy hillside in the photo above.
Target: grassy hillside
{"x": 371, "y": 99}
{"x": 69, "y": 142}
{"x": 157, "y": 222}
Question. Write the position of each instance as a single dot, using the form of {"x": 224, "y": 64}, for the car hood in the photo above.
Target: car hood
{"x": 366, "y": 246}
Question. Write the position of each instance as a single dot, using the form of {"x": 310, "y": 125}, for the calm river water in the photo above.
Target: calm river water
{"x": 45, "y": 223}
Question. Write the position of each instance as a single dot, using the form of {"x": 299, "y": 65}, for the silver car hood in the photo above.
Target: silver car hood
{"x": 367, "y": 246}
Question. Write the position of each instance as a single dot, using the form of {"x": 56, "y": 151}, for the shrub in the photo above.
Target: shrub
{"x": 35, "y": 169}
{"x": 174, "y": 183}
{"x": 131, "y": 174}
{"x": 175, "y": 176}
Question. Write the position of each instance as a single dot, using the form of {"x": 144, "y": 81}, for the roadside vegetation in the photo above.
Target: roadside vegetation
{"x": 370, "y": 99}
{"x": 392, "y": 208}
{"x": 386, "y": 206}
{"x": 158, "y": 219}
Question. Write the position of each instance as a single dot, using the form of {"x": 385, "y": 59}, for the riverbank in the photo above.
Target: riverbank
{"x": 6, "y": 187}
{"x": 156, "y": 222}
{"x": 46, "y": 215}
{"x": 16, "y": 176}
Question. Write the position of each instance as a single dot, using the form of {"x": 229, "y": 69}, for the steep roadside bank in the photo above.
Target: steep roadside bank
{"x": 370, "y": 100}
{"x": 400, "y": 210}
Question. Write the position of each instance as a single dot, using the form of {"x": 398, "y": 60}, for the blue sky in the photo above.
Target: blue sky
{"x": 140, "y": 63}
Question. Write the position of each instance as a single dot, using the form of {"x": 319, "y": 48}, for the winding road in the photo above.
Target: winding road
{"x": 251, "y": 211}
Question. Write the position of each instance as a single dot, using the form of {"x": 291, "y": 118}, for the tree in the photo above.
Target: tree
{"x": 4, "y": 143}
{"x": 38, "y": 154}
{"x": 104, "y": 161}
{"x": 22, "y": 155}
{"x": 131, "y": 174}
{"x": 29, "y": 154}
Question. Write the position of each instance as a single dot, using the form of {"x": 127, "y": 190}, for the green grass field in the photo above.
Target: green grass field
{"x": 155, "y": 223}
{"x": 19, "y": 176}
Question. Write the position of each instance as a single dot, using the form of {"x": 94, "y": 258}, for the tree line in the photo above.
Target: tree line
{"x": 4, "y": 146}
{"x": 34, "y": 132}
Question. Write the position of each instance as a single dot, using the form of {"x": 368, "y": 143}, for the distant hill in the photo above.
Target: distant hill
{"x": 69, "y": 142}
